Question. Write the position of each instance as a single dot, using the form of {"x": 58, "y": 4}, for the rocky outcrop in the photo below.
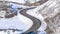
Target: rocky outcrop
{"x": 51, "y": 14}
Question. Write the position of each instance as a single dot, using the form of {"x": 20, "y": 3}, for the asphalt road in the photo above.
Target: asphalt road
{"x": 36, "y": 22}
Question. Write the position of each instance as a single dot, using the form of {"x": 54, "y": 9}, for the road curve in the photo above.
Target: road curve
{"x": 36, "y": 22}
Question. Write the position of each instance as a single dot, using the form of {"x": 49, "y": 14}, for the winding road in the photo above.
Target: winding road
{"x": 36, "y": 22}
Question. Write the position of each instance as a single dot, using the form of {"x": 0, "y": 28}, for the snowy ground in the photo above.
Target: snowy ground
{"x": 18, "y": 22}
{"x": 24, "y": 1}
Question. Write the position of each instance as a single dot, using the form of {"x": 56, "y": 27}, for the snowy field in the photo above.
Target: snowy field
{"x": 21, "y": 23}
